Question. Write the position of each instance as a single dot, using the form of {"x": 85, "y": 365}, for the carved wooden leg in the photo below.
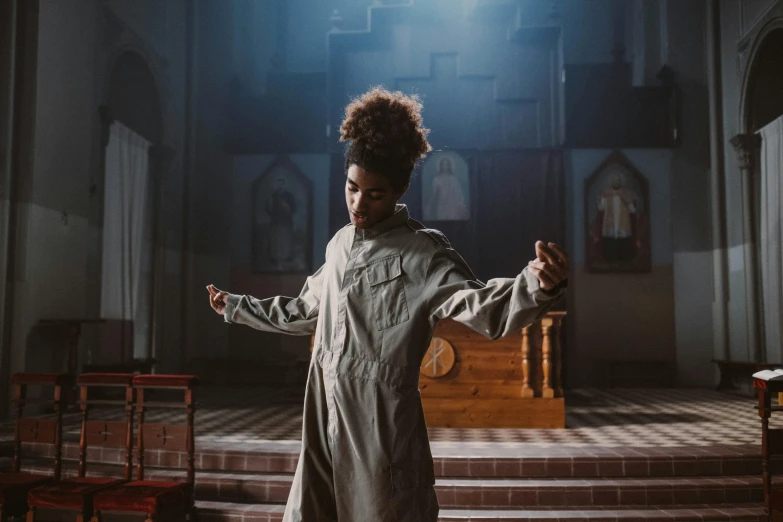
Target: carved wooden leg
{"x": 80, "y": 517}
{"x": 30, "y": 514}
{"x": 527, "y": 391}
{"x": 557, "y": 350}
{"x": 150, "y": 518}
{"x": 96, "y": 516}
{"x": 546, "y": 358}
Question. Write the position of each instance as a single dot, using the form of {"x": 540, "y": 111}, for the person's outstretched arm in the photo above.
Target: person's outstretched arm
{"x": 290, "y": 315}
{"x": 497, "y": 308}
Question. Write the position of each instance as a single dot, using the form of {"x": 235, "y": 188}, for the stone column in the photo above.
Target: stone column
{"x": 747, "y": 146}
{"x": 161, "y": 158}
{"x": 10, "y": 99}
{"x": 717, "y": 186}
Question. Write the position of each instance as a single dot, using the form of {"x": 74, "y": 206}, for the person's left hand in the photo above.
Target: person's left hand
{"x": 550, "y": 265}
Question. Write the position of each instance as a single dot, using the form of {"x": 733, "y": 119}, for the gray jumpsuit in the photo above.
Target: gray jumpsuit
{"x": 373, "y": 306}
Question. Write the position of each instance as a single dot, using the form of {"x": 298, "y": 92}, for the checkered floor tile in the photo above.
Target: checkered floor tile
{"x": 639, "y": 418}
{"x": 604, "y": 418}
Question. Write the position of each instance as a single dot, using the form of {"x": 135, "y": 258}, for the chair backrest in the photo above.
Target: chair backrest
{"x": 169, "y": 436}
{"x": 38, "y": 429}
{"x": 106, "y": 433}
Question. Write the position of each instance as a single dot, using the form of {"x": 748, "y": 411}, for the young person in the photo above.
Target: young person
{"x": 373, "y": 306}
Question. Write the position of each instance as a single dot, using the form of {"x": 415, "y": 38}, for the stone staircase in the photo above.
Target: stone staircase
{"x": 486, "y": 482}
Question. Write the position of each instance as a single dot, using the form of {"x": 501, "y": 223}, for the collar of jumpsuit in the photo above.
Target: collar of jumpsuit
{"x": 399, "y": 218}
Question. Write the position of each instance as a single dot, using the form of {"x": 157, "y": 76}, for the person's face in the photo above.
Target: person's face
{"x": 445, "y": 166}
{"x": 617, "y": 182}
{"x": 369, "y": 197}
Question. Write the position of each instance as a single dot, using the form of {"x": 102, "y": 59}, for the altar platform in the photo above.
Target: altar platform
{"x": 624, "y": 455}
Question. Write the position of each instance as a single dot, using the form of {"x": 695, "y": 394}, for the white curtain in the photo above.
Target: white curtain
{"x": 771, "y": 236}
{"x": 127, "y": 233}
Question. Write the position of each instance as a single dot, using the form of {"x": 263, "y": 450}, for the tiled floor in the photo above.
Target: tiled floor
{"x": 615, "y": 418}
{"x": 607, "y": 418}
{"x": 639, "y": 418}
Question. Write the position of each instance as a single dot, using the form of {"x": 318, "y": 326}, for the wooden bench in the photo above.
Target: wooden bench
{"x": 641, "y": 373}
{"x": 731, "y": 371}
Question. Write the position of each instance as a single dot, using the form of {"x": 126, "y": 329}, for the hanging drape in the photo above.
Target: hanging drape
{"x": 771, "y": 236}
{"x": 127, "y": 260}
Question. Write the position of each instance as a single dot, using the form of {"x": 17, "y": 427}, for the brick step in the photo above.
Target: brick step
{"x": 273, "y": 458}
{"x": 226, "y": 512}
{"x": 482, "y": 493}
{"x": 606, "y": 493}
{"x": 476, "y": 462}
{"x": 674, "y": 513}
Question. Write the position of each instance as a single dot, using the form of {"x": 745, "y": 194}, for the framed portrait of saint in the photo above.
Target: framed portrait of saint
{"x": 282, "y": 220}
{"x": 445, "y": 187}
{"x": 617, "y": 225}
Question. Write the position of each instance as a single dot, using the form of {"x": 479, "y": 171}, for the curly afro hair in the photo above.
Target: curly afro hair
{"x": 386, "y": 133}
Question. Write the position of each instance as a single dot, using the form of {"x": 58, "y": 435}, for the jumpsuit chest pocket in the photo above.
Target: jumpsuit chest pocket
{"x": 389, "y": 304}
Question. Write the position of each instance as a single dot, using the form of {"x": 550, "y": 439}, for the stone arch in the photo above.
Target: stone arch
{"x": 132, "y": 93}
{"x": 762, "y": 86}
{"x": 761, "y": 102}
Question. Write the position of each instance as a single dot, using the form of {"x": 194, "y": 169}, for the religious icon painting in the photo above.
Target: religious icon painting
{"x": 617, "y": 225}
{"x": 445, "y": 187}
{"x": 282, "y": 220}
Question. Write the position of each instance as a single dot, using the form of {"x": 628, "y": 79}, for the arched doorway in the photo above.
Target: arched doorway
{"x": 762, "y": 124}
{"x": 133, "y": 96}
{"x": 132, "y": 130}
{"x": 764, "y": 90}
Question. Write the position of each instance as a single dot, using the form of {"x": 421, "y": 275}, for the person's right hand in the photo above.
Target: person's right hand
{"x": 217, "y": 299}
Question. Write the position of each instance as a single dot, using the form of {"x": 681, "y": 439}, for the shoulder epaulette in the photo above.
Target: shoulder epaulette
{"x": 436, "y": 235}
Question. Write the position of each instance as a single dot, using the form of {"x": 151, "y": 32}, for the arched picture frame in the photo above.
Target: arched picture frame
{"x": 445, "y": 188}
{"x": 617, "y": 206}
{"x": 282, "y": 220}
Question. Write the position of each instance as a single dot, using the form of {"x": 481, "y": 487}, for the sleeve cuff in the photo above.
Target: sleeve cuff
{"x": 558, "y": 290}
{"x": 534, "y": 287}
{"x": 232, "y": 302}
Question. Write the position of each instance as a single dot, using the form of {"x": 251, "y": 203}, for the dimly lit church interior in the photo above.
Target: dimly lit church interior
{"x": 391, "y": 260}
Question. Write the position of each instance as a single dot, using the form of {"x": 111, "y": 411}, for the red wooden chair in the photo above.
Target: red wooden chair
{"x": 157, "y": 500}
{"x": 77, "y": 493}
{"x": 15, "y": 485}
